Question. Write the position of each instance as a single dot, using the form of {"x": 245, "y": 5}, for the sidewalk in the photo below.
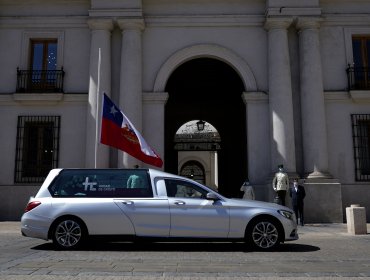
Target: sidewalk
{"x": 324, "y": 251}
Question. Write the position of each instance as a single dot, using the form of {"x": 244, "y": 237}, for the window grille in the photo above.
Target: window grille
{"x": 37, "y": 147}
{"x": 361, "y": 145}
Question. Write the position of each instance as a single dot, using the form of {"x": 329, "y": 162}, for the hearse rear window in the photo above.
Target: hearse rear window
{"x": 102, "y": 183}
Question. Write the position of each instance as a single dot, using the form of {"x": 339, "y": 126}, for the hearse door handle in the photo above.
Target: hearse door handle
{"x": 180, "y": 203}
{"x": 127, "y": 202}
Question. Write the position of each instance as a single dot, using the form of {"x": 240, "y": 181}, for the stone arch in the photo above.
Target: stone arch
{"x": 209, "y": 51}
{"x": 192, "y": 158}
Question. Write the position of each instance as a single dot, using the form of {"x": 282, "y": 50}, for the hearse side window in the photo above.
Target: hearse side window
{"x": 179, "y": 188}
{"x": 102, "y": 183}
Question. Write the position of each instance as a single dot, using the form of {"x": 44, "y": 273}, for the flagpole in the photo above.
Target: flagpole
{"x": 97, "y": 112}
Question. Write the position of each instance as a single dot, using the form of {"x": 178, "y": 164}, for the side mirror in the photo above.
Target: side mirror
{"x": 212, "y": 196}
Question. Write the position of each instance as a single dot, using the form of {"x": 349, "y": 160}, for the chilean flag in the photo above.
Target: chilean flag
{"x": 117, "y": 131}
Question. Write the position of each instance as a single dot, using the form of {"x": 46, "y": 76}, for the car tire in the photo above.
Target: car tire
{"x": 68, "y": 234}
{"x": 263, "y": 234}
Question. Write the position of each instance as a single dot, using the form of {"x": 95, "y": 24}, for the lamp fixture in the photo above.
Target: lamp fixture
{"x": 200, "y": 125}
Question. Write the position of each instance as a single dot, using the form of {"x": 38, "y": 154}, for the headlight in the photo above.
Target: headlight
{"x": 287, "y": 214}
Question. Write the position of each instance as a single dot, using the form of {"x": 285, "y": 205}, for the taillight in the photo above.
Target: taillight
{"x": 31, "y": 205}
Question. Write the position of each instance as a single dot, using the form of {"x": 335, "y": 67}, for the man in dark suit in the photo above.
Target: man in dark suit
{"x": 297, "y": 193}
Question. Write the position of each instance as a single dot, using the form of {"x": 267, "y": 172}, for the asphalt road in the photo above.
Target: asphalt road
{"x": 324, "y": 251}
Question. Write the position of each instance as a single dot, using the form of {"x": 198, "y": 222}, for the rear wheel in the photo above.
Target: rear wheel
{"x": 68, "y": 234}
{"x": 264, "y": 234}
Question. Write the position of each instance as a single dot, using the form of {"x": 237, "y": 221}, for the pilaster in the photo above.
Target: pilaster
{"x": 131, "y": 78}
{"x": 153, "y": 119}
{"x": 97, "y": 155}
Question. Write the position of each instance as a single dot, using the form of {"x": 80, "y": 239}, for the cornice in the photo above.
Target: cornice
{"x": 357, "y": 20}
{"x": 205, "y": 20}
{"x": 293, "y": 11}
{"x": 116, "y": 13}
{"x": 44, "y": 22}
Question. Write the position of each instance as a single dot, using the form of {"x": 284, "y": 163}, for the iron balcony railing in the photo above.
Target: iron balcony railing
{"x": 41, "y": 81}
{"x": 358, "y": 78}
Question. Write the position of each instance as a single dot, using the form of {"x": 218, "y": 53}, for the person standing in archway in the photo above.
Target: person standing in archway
{"x": 248, "y": 191}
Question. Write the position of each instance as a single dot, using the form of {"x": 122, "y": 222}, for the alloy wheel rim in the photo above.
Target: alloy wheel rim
{"x": 68, "y": 233}
{"x": 265, "y": 235}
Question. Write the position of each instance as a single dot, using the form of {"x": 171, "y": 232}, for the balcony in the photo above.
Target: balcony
{"x": 40, "y": 81}
{"x": 358, "y": 78}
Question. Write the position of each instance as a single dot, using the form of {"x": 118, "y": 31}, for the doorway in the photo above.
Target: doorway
{"x": 210, "y": 90}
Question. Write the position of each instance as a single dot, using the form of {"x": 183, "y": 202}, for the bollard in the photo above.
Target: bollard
{"x": 356, "y": 219}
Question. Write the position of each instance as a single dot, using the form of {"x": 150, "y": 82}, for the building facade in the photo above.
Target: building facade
{"x": 279, "y": 81}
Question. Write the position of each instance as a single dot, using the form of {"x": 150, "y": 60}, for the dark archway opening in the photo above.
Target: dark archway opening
{"x": 210, "y": 90}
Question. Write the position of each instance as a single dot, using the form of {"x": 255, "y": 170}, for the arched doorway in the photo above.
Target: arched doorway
{"x": 198, "y": 142}
{"x": 210, "y": 90}
{"x": 194, "y": 170}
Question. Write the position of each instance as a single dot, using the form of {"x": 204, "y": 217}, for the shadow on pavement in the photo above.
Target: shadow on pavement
{"x": 178, "y": 247}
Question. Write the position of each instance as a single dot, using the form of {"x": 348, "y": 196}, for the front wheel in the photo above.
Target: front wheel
{"x": 264, "y": 235}
{"x": 68, "y": 234}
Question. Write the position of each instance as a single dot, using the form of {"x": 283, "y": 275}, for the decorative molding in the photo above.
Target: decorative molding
{"x": 43, "y": 23}
{"x": 338, "y": 96}
{"x": 155, "y": 97}
{"x": 42, "y": 98}
{"x": 293, "y": 11}
{"x": 38, "y": 98}
{"x": 100, "y": 24}
{"x": 278, "y": 23}
{"x": 131, "y": 24}
{"x": 114, "y": 13}
{"x": 355, "y": 20}
{"x": 205, "y": 21}
{"x": 308, "y": 23}
{"x": 255, "y": 97}
{"x": 360, "y": 96}
{"x": 210, "y": 51}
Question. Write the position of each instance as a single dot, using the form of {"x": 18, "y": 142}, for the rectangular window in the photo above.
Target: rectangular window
{"x": 43, "y": 54}
{"x": 361, "y": 145}
{"x": 43, "y": 64}
{"x": 42, "y": 74}
{"x": 361, "y": 59}
{"x": 37, "y": 147}
{"x": 102, "y": 183}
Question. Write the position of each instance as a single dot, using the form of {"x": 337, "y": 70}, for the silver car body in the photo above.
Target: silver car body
{"x": 156, "y": 216}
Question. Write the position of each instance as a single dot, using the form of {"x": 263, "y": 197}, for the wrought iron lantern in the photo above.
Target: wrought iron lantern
{"x": 200, "y": 125}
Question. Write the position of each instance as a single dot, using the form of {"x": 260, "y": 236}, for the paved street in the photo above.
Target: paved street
{"x": 322, "y": 252}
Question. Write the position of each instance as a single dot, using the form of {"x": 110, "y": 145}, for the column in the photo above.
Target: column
{"x": 153, "y": 120}
{"x": 97, "y": 155}
{"x": 280, "y": 96}
{"x": 314, "y": 133}
{"x": 257, "y": 121}
{"x": 131, "y": 79}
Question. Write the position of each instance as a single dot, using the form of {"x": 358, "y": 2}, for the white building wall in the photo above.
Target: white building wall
{"x": 171, "y": 26}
